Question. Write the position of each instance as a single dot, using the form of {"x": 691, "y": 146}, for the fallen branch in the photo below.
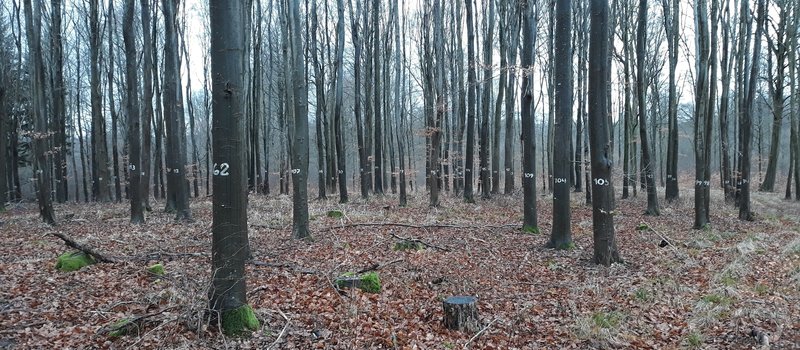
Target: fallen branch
{"x": 479, "y": 333}
{"x": 283, "y": 265}
{"x": 88, "y": 250}
{"x": 415, "y": 240}
{"x": 283, "y": 331}
{"x": 376, "y": 267}
{"x": 663, "y": 237}
{"x": 159, "y": 255}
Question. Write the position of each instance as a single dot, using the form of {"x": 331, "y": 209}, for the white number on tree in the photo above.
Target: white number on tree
{"x": 221, "y": 169}
{"x": 295, "y": 171}
{"x": 601, "y": 182}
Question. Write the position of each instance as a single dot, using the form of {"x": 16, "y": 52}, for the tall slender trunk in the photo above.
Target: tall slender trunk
{"x": 469, "y": 165}
{"x": 300, "y": 144}
{"x": 561, "y": 235}
{"x": 647, "y": 165}
{"x": 147, "y": 102}
{"x": 132, "y": 110}
{"x": 528, "y": 11}
{"x": 58, "y": 102}
{"x": 99, "y": 148}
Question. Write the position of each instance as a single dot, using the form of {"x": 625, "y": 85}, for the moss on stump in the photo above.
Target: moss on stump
{"x": 73, "y": 261}
{"x": 369, "y": 282}
{"x": 239, "y": 321}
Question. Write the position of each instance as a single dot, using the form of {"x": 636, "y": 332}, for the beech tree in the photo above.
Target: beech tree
{"x": 177, "y": 186}
{"x": 561, "y": 235}
{"x": 529, "y": 24}
{"x": 469, "y": 163}
{"x": 647, "y": 165}
{"x": 228, "y": 294}
{"x": 341, "y": 158}
{"x": 299, "y": 91}
{"x": 100, "y": 172}
{"x": 147, "y": 99}
{"x": 132, "y": 110}
{"x": 605, "y": 244}
{"x": 41, "y": 147}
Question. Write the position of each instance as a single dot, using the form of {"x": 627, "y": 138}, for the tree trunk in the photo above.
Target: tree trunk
{"x": 110, "y": 23}
{"x": 99, "y": 148}
{"x": 561, "y": 235}
{"x": 228, "y": 295}
{"x": 469, "y": 165}
{"x": 514, "y": 20}
{"x": 300, "y": 145}
{"x": 41, "y": 149}
{"x": 777, "y": 83}
{"x": 132, "y": 110}
{"x": 58, "y": 102}
{"x": 528, "y": 12}
{"x": 605, "y": 245}
{"x": 485, "y": 175}
{"x": 376, "y": 55}
{"x": 177, "y": 186}
{"x": 746, "y": 117}
{"x": 647, "y": 165}
{"x": 147, "y": 105}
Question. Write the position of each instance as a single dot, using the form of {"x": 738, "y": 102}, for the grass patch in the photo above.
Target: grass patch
{"x": 694, "y": 339}
{"x": 335, "y": 214}
{"x": 761, "y": 289}
{"x": 728, "y": 280}
{"x": 408, "y": 245}
{"x": 607, "y": 320}
{"x": 642, "y": 294}
{"x": 716, "y": 299}
{"x": 642, "y": 227}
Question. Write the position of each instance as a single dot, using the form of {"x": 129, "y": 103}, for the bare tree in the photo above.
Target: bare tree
{"x": 41, "y": 149}
{"x": 300, "y": 146}
{"x": 132, "y": 110}
{"x": 561, "y": 235}
{"x": 529, "y": 23}
{"x": 100, "y": 172}
{"x": 605, "y": 244}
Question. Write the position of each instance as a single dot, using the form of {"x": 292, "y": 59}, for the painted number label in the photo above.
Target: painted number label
{"x": 295, "y": 171}
{"x": 221, "y": 169}
{"x": 132, "y": 167}
{"x": 560, "y": 180}
{"x": 601, "y": 182}
{"x": 529, "y": 175}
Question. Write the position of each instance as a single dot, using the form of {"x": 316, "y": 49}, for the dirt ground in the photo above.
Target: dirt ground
{"x": 709, "y": 288}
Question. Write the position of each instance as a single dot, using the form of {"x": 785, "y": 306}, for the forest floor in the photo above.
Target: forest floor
{"x": 709, "y": 289}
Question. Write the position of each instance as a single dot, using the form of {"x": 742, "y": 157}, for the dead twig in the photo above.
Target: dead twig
{"x": 376, "y": 267}
{"x": 88, "y": 250}
{"x": 480, "y": 332}
{"x": 415, "y": 240}
{"x": 283, "y": 331}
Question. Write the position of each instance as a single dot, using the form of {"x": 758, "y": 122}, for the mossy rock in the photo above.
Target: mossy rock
{"x": 157, "y": 269}
{"x": 73, "y": 261}
{"x": 336, "y": 214}
{"x": 240, "y": 321}
{"x": 369, "y": 282}
{"x": 408, "y": 245}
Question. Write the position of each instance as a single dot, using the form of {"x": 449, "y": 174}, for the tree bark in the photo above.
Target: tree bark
{"x": 300, "y": 144}
{"x": 647, "y": 165}
{"x": 229, "y": 286}
{"x": 605, "y": 245}
{"x": 147, "y": 105}
{"x": 529, "y": 24}
{"x": 99, "y": 149}
{"x": 132, "y": 110}
{"x": 469, "y": 165}
{"x": 561, "y": 235}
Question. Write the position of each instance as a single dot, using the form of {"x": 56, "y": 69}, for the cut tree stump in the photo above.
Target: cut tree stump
{"x": 461, "y": 313}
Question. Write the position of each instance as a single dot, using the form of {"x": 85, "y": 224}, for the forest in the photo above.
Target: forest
{"x": 399, "y": 174}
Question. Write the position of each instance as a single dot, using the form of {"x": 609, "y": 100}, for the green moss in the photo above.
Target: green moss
{"x": 642, "y": 227}
{"x": 408, "y": 245}
{"x": 728, "y": 280}
{"x": 122, "y": 327}
{"x": 336, "y": 214}
{"x": 370, "y": 283}
{"x": 157, "y": 270}
{"x": 533, "y": 230}
{"x": 240, "y": 321}
{"x": 566, "y": 246}
{"x": 642, "y": 294}
{"x": 73, "y": 261}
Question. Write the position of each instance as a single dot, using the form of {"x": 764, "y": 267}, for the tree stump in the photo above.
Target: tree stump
{"x": 461, "y": 313}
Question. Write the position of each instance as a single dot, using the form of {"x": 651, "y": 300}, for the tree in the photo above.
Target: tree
{"x": 398, "y": 110}
{"x": 514, "y": 19}
{"x": 177, "y": 186}
{"x": 376, "y": 56}
{"x": 41, "y": 149}
{"x": 485, "y": 175}
{"x": 341, "y": 160}
{"x": 58, "y": 98}
{"x": 4, "y": 117}
{"x": 300, "y": 146}
{"x": 355, "y": 14}
{"x": 605, "y": 245}
{"x": 701, "y": 115}
{"x": 561, "y": 235}
{"x": 746, "y": 113}
{"x": 469, "y": 165}
{"x": 647, "y": 165}
{"x": 100, "y": 173}
{"x": 134, "y": 120}
{"x": 228, "y": 295}
{"x": 528, "y": 12}
{"x": 147, "y": 98}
